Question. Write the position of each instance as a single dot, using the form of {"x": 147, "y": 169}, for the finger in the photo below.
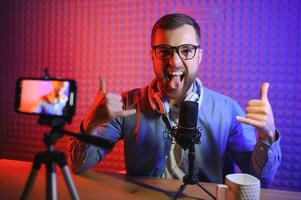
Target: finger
{"x": 256, "y": 102}
{"x": 264, "y": 91}
{"x": 257, "y": 109}
{"x": 125, "y": 113}
{"x": 248, "y": 121}
{"x": 113, "y": 96}
{"x": 102, "y": 85}
{"x": 115, "y": 106}
{"x": 258, "y": 117}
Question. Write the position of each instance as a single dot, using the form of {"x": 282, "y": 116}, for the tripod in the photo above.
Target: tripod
{"x": 190, "y": 178}
{"x": 50, "y": 158}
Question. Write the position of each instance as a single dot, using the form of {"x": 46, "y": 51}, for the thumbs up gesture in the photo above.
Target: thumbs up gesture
{"x": 105, "y": 107}
{"x": 259, "y": 114}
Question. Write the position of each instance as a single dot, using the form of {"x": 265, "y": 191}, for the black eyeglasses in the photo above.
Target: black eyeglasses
{"x": 185, "y": 51}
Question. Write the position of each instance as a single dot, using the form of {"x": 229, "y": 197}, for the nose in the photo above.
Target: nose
{"x": 174, "y": 59}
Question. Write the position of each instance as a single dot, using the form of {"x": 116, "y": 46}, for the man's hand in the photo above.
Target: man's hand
{"x": 259, "y": 114}
{"x": 105, "y": 107}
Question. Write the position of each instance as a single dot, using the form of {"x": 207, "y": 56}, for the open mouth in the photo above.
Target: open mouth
{"x": 173, "y": 74}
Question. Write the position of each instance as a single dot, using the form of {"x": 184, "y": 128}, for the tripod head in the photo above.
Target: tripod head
{"x": 58, "y": 131}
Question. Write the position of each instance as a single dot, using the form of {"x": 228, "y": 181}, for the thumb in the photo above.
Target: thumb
{"x": 102, "y": 85}
{"x": 125, "y": 113}
{"x": 264, "y": 91}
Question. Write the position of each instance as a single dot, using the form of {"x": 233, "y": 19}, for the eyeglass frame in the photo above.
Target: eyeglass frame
{"x": 176, "y": 49}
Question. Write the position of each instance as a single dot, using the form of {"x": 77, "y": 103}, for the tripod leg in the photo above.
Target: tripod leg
{"x": 70, "y": 183}
{"x": 180, "y": 191}
{"x": 51, "y": 185}
{"x": 209, "y": 193}
{"x": 30, "y": 181}
{"x": 37, "y": 162}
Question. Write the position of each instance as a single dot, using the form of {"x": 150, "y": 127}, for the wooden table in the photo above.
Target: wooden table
{"x": 99, "y": 185}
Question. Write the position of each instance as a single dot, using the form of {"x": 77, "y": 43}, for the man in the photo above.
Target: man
{"x": 54, "y": 101}
{"x": 143, "y": 116}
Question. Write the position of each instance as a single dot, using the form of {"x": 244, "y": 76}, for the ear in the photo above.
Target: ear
{"x": 151, "y": 53}
{"x": 200, "y": 56}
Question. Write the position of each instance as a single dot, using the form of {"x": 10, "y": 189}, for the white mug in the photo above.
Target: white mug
{"x": 240, "y": 187}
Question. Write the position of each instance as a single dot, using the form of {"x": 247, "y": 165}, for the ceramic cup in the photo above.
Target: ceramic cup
{"x": 241, "y": 187}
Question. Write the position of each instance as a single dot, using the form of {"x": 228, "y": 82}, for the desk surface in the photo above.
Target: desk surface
{"x": 98, "y": 185}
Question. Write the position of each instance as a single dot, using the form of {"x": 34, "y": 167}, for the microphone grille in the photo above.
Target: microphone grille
{"x": 188, "y": 114}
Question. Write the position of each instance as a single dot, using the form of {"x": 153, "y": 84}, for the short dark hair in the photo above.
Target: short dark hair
{"x": 173, "y": 21}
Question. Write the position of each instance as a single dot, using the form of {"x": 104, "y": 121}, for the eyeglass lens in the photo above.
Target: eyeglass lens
{"x": 184, "y": 51}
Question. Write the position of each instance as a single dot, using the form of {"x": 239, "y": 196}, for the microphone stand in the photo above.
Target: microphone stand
{"x": 190, "y": 178}
{"x": 188, "y": 139}
{"x": 50, "y": 158}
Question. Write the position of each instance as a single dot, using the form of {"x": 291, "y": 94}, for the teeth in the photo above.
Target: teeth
{"x": 176, "y": 73}
{"x": 171, "y": 73}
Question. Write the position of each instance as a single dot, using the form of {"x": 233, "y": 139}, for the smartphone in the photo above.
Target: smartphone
{"x": 50, "y": 97}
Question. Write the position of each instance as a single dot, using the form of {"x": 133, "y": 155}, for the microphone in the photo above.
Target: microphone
{"x": 187, "y": 133}
{"x": 188, "y": 115}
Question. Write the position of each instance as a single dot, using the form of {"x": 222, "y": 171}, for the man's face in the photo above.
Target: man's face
{"x": 57, "y": 86}
{"x": 176, "y": 75}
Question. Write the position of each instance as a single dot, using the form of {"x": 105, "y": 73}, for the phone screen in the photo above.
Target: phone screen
{"x": 45, "y": 97}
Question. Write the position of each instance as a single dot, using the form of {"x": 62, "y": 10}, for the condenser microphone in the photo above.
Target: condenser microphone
{"x": 187, "y": 133}
{"x": 188, "y": 115}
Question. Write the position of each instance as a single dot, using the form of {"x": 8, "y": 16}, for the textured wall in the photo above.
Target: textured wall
{"x": 245, "y": 43}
